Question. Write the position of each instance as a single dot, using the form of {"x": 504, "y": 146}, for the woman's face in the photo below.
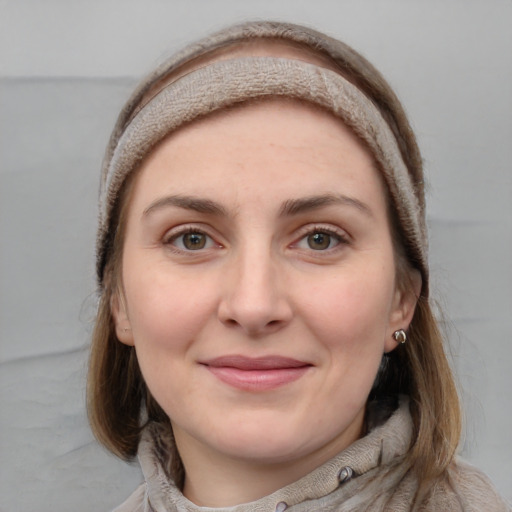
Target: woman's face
{"x": 259, "y": 283}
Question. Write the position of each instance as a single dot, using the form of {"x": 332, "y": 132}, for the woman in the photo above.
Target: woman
{"x": 264, "y": 339}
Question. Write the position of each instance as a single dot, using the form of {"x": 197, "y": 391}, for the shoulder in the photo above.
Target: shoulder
{"x": 464, "y": 487}
{"x": 136, "y": 502}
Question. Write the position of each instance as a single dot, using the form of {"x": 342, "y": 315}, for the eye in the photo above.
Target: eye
{"x": 191, "y": 240}
{"x": 320, "y": 239}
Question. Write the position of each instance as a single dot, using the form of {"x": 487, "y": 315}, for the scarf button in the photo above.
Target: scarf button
{"x": 345, "y": 474}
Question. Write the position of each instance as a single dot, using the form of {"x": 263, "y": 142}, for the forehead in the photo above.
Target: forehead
{"x": 290, "y": 123}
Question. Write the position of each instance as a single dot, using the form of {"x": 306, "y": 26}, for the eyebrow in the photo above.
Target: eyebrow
{"x": 196, "y": 204}
{"x": 289, "y": 208}
{"x": 306, "y": 204}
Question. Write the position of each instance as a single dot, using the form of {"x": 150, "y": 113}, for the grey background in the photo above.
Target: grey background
{"x": 66, "y": 68}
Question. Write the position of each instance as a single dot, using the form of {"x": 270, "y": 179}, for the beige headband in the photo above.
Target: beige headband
{"x": 228, "y": 82}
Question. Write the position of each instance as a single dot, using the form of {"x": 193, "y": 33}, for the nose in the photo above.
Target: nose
{"x": 254, "y": 298}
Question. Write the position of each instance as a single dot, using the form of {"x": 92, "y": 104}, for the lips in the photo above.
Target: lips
{"x": 256, "y": 374}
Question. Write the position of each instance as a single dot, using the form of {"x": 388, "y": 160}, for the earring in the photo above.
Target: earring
{"x": 400, "y": 336}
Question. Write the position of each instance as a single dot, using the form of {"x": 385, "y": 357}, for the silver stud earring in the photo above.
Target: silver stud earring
{"x": 400, "y": 336}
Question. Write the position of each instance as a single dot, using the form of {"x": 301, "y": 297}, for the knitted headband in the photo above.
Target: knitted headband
{"x": 223, "y": 83}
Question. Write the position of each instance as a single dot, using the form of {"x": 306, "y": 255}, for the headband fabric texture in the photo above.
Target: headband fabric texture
{"x": 232, "y": 81}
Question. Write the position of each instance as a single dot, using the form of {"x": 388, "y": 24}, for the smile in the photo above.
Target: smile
{"x": 256, "y": 374}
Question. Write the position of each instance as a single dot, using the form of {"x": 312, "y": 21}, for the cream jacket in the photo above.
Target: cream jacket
{"x": 368, "y": 476}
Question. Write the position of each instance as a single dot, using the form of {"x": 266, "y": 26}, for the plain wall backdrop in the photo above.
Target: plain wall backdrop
{"x": 67, "y": 67}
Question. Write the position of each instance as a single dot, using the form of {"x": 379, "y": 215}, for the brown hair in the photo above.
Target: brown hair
{"x": 120, "y": 404}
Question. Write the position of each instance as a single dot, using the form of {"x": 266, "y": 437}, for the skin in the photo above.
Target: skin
{"x": 278, "y": 275}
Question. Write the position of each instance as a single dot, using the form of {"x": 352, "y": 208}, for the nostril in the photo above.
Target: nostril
{"x": 255, "y": 314}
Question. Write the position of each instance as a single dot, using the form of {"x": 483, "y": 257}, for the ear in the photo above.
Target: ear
{"x": 404, "y": 304}
{"x": 122, "y": 322}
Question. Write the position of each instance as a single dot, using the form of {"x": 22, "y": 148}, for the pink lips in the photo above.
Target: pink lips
{"x": 256, "y": 374}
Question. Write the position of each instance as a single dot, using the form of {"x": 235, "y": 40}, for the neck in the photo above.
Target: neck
{"x": 214, "y": 479}
{"x": 235, "y": 483}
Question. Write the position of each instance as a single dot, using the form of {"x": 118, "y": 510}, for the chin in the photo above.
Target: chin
{"x": 266, "y": 451}
{"x": 274, "y": 442}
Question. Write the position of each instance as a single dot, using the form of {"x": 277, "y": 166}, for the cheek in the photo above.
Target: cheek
{"x": 166, "y": 321}
{"x": 350, "y": 315}
{"x": 352, "y": 328}
{"x": 347, "y": 316}
{"x": 165, "y": 309}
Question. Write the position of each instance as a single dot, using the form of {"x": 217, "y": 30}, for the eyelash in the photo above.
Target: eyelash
{"x": 339, "y": 236}
{"x": 171, "y": 238}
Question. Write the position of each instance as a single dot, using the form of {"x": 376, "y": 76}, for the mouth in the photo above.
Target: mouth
{"x": 256, "y": 374}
